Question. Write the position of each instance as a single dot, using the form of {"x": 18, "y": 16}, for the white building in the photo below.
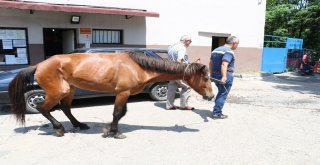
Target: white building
{"x": 31, "y": 31}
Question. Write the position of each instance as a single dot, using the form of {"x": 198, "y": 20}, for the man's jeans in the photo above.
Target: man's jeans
{"x": 173, "y": 85}
{"x": 223, "y": 91}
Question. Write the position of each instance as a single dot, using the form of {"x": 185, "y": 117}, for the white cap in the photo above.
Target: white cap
{"x": 185, "y": 37}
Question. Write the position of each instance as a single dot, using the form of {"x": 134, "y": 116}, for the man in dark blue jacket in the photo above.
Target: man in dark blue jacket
{"x": 221, "y": 70}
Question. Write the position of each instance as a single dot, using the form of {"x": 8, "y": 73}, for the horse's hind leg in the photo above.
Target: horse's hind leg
{"x": 120, "y": 109}
{"x": 55, "y": 91}
{"x": 66, "y": 108}
{"x": 45, "y": 108}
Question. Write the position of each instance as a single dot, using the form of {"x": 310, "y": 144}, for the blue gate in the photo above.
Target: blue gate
{"x": 274, "y": 59}
{"x": 275, "y": 52}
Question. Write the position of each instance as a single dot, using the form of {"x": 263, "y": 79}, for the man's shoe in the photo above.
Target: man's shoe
{"x": 219, "y": 116}
{"x": 187, "y": 108}
{"x": 173, "y": 107}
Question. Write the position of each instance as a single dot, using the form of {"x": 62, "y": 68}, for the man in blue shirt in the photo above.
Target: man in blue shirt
{"x": 221, "y": 70}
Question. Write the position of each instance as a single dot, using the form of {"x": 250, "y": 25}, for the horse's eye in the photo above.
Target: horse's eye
{"x": 206, "y": 78}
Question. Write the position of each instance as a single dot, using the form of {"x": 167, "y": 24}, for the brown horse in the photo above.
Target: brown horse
{"x": 123, "y": 74}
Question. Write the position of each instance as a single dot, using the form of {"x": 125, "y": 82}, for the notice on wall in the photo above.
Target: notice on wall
{"x": 10, "y": 59}
{"x": 7, "y": 44}
{"x": 13, "y": 46}
{"x": 21, "y": 60}
{"x": 22, "y": 52}
{"x": 21, "y": 34}
{"x": 2, "y": 34}
{"x": 85, "y": 36}
{"x": 19, "y": 43}
{"x": 11, "y": 34}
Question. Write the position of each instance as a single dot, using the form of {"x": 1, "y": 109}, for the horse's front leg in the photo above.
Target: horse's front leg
{"x": 120, "y": 109}
{"x": 66, "y": 108}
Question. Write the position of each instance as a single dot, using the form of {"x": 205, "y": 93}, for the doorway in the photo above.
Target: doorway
{"x": 58, "y": 41}
{"x": 217, "y": 41}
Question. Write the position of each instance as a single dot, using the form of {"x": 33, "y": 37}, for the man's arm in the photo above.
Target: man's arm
{"x": 224, "y": 69}
{"x": 181, "y": 54}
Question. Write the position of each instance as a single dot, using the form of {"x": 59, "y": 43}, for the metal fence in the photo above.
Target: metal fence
{"x": 281, "y": 54}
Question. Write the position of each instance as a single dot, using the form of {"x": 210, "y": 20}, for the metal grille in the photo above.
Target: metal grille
{"x": 105, "y": 36}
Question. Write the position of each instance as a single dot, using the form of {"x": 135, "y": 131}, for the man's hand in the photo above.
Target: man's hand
{"x": 223, "y": 80}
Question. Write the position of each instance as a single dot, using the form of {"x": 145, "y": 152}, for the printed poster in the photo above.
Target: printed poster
{"x": 7, "y": 44}
{"x": 22, "y": 52}
{"x": 10, "y": 59}
{"x": 19, "y": 43}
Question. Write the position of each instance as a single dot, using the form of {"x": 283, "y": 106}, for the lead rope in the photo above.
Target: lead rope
{"x": 220, "y": 83}
{"x": 185, "y": 71}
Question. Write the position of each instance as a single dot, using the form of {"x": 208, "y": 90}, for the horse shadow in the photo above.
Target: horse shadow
{"x": 204, "y": 114}
{"x": 96, "y": 128}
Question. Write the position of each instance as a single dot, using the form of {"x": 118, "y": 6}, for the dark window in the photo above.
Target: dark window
{"x": 106, "y": 36}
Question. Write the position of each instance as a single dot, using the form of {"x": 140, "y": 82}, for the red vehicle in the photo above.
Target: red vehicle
{"x": 316, "y": 68}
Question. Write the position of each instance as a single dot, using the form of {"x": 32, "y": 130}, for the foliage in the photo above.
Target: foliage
{"x": 295, "y": 19}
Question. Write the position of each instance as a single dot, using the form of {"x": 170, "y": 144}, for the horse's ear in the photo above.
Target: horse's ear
{"x": 203, "y": 69}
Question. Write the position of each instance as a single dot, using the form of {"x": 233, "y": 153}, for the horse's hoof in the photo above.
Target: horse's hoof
{"x": 105, "y": 130}
{"x": 83, "y": 126}
{"x": 108, "y": 134}
{"x": 60, "y": 132}
{"x": 119, "y": 136}
{"x": 114, "y": 135}
{"x": 105, "y": 135}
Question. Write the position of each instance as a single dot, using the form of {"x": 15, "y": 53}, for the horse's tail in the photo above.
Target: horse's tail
{"x": 17, "y": 88}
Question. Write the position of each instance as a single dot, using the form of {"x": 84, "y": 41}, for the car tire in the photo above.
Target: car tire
{"x": 33, "y": 98}
{"x": 158, "y": 92}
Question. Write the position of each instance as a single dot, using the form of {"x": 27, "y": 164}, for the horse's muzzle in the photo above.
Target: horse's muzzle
{"x": 209, "y": 98}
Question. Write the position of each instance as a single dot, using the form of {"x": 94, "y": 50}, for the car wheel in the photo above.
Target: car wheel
{"x": 158, "y": 92}
{"x": 33, "y": 98}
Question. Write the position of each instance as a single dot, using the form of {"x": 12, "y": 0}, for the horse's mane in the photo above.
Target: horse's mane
{"x": 164, "y": 65}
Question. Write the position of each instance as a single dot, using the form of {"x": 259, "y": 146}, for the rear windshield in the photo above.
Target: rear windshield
{"x": 79, "y": 51}
{"x": 9, "y": 74}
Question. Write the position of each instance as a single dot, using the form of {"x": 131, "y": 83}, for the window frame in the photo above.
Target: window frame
{"x": 104, "y": 36}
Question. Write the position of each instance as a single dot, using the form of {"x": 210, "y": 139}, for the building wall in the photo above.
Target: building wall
{"x": 245, "y": 19}
{"x": 134, "y": 29}
{"x": 201, "y": 19}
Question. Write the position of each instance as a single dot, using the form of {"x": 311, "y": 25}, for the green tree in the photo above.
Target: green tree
{"x": 295, "y": 19}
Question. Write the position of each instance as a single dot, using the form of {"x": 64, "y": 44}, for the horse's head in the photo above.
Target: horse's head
{"x": 197, "y": 76}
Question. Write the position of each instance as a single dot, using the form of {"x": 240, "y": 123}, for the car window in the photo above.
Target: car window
{"x": 163, "y": 54}
{"x": 101, "y": 51}
{"x": 160, "y": 53}
{"x": 151, "y": 54}
{"x": 78, "y": 51}
{"x": 9, "y": 74}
